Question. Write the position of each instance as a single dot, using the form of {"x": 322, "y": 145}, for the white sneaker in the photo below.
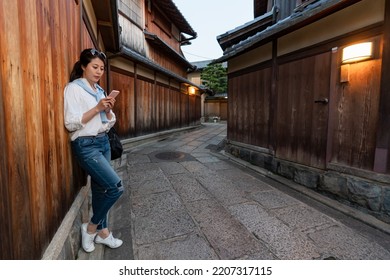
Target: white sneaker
{"x": 109, "y": 241}
{"x": 87, "y": 239}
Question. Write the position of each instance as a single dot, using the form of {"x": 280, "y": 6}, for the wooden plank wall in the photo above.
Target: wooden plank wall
{"x": 216, "y": 108}
{"x": 145, "y": 106}
{"x": 194, "y": 109}
{"x": 172, "y": 39}
{"x": 40, "y": 40}
{"x": 125, "y": 103}
{"x": 306, "y": 131}
{"x": 248, "y": 107}
{"x": 355, "y": 125}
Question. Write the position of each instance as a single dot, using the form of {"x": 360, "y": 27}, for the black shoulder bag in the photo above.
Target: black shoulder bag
{"x": 115, "y": 143}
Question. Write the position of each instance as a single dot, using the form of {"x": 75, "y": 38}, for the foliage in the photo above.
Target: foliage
{"x": 214, "y": 77}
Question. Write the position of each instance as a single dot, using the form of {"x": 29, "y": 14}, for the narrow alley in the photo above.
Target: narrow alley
{"x": 185, "y": 199}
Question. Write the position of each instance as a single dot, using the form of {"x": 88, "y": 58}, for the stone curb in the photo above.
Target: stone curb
{"x": 63, "y": 246}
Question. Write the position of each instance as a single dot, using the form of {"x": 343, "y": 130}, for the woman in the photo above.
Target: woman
{"x": 88, "y": 116}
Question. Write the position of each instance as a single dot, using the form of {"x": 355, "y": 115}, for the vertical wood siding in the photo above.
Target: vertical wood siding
{"x": 168, "y": 63}
{"x": 125, "y": 103}
{"x": 144, "y": 111}
{"x": 354, "y": 135}
{"x": 302, "y": 123}
{"x": 248, "y": 107}
{"x": 145, "y": 106}
{"x": 168, "y": 36}
{"x": 39, "y": 42}
{"x": 301, "y": 129}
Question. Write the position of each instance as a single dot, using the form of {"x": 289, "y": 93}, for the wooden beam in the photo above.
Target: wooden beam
{"x": 105, "y": 23}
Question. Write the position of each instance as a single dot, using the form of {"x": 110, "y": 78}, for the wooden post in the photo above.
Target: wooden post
{"x": 334, "y": 84}
{"x": 383, "y": 130}
{"x": 135, "y": 99}
{"x": 273, "y": 99}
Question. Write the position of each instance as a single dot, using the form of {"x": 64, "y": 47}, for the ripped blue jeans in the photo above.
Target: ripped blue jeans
{"x": 94, "y": 154}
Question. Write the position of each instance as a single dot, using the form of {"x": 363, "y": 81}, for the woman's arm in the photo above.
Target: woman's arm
{"x": 105, "y": 104}
{"x": 75, "y": 117}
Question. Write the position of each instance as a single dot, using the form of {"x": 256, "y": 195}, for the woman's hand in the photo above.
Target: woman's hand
{"x": 106, "y": 104}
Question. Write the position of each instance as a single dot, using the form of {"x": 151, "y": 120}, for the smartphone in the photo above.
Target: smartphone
{"x": 114, "y": 93}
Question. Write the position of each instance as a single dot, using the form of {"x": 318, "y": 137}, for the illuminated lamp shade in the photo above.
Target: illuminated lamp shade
{"x": 191, "y": 90}
{"x": 357, "y": 52}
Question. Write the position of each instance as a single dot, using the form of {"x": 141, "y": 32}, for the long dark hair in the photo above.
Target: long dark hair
{"x": 85, "y": 58}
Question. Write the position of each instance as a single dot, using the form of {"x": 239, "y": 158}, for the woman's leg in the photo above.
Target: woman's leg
{"x": 103, "y": 198}
{"x": 94, "y": 157}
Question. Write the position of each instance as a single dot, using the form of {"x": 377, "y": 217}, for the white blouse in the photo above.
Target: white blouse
{"x": 76, "y": 102}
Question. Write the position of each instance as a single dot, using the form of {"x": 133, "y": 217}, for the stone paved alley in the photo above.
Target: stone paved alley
{"x": 186, "y": 199}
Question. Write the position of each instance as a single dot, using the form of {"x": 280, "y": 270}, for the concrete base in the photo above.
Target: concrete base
{"x": 65, "y": 244}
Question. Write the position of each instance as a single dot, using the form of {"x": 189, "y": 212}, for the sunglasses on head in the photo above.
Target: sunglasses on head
{"x": 96, "y": 52}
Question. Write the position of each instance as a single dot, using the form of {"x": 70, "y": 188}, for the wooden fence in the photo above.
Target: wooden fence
{"x": 40, "y": 41}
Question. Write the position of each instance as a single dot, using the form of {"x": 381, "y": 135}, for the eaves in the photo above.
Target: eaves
{"x": 159, "y": 43}
{"x": 240, "y": 33}
{"x": 174, "y": 14}
{"x": 138, "y": 58}
{"x": 310, "y": 14}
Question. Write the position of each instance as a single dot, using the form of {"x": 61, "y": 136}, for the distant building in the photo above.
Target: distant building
{"x": 214, "y": 106}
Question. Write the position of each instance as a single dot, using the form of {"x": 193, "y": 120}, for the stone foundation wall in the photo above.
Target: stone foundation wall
{"x": 367, "y": 195}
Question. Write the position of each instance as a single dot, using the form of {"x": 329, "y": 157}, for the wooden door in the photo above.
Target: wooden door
{"x": 302, "y": 111}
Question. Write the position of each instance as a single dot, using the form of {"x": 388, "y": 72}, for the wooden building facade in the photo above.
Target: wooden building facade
{"x": 297, "y": 109}
{"x": 39, "y": 43}
{"x": 213, "y": 105}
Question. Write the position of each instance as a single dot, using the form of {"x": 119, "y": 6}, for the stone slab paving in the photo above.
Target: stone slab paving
{"x": 187, "y": 247}
{"x": 205, "y": 206}
{"x": 279, "y": 237}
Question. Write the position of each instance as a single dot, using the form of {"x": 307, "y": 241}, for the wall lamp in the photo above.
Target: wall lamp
{"x": 357, "y": 52}
{"x": 191, "y": 90}
{"x": 354, "y": 53}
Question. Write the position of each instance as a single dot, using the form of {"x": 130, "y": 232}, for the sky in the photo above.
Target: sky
{"x": 209, "y": 19}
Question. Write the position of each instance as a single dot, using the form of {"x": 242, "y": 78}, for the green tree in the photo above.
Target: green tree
{"x": 214, "y": 77}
